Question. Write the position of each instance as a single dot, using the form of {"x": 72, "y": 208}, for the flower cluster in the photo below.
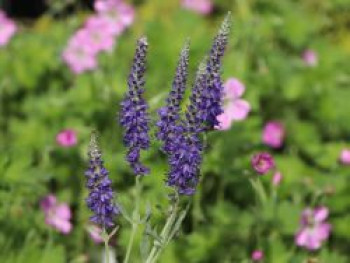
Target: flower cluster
{"x": 134, "y": 117}
{"x": 235, "y": 108}
{"x": 203, "y": 7}
{"x": 314, "y": 228}
{"x": 185, "y": 147}
{"x": 97, "y": 35}
{"x": 100, "y": 199}
{"x": 57, "y": 215}
{"x": 169, "y": 115}
{"x": 7, "y": 29}
{"x": 184, "y": 162}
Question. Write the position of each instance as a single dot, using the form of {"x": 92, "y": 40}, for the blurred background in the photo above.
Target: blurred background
{"x": 292, "y": 57}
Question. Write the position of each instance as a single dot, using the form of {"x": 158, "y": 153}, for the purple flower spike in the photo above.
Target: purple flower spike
{"x": 185, "y": 161}
{"x": 169, "y": 115}
{"x": 214, "y": 91}
{"x": 197, "y": 109}
{"x": 134, "y": 117}
{"x": 100, "y": 199}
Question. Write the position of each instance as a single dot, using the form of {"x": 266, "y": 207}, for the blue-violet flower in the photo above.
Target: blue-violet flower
{"x": 100, "y": 199}
{"x": 212, "y": 95}
{"x": 169, "y": 115}
{"x": 134, "y": 117}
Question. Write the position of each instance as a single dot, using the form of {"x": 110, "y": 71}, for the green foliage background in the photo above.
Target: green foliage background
{"x": 40, "y": 97}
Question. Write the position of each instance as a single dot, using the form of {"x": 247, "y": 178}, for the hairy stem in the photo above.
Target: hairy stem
{"x": 165, "y": 234}
{"x": 106, "y": 250}
{"x": 135, "y": 219}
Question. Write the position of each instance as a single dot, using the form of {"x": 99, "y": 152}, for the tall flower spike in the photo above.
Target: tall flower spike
{"x": 169, "y": 115}
{"x": 214, "y": 85}
{"x": 196, "y": 110}
{"x": 100, "y": 199}
{"x": 134, "y": 117}
{"x": 186, "y": 156}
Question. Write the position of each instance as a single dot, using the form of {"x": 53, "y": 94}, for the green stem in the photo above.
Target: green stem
{"x": 164, "y": 236}
{"x": 130, "y": 244}
{"x": 106, "y": 250}
{"x": 135, "y": 219}
{"x": 259, "y": 189}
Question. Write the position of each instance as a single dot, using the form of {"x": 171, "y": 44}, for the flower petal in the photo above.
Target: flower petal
{"x": 301, "y": 237}
{"x": 323, "y": 231}
{"x": 234, "y": 89}
{"x": 238, "y": 110}
{"x": 321, "y": 214}
{"x": 48, "y": 203}
{"x": 63, "y": 211}
{"x": 225, "y": 122}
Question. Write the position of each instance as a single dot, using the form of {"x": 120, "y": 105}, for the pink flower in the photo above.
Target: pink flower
{"x": 56, "y": 215}
{"x": 95, "y": 233}
{"x": 273, "y": 134}
{"x": 100, "y": 34}
{"x": 314, "y": 230}
{"x": 7, "y": 29}
{"x": 345, "y": 156}
{"x": 67, "y": 138}
{"x": 225, "y": 121}
{"x": 203, "y": 7}
{"x": 119, "y": 14}
{"x": 80, "y": 54}
{"x": 277, "y": 178}
{"x": 310, "y": 58}
{"x": 235, "y": 108}
{"x": 257, "y": 255}
{"x": 263, "y": 162}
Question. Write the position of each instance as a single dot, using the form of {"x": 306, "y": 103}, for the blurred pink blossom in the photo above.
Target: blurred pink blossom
{"x": 235, "y": 108}
{"x": 277, "y": 178}
{"x": 95, "y": 233}
{"x": 100, "y": 40}
{"x": 67, "y": 138}
{"x": 344, "y": 157}
{"x": 257, "y": 255}
{"x": 7, "y": 29}
{"x": 263, "y": 162}
{"x": 225, "y": 121}
{"x": 203, "y": 7}
{"x": 116, "y": 11}
{"x": 98, "y": 34}
{"x": 56, "y": 215}
{"x": 103, "y": 22}
{"x": 310, "y": 57}
{"x": 80, "y": 54}
{"x": 314, "y": 230}
{"x": 273, "y": 134}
